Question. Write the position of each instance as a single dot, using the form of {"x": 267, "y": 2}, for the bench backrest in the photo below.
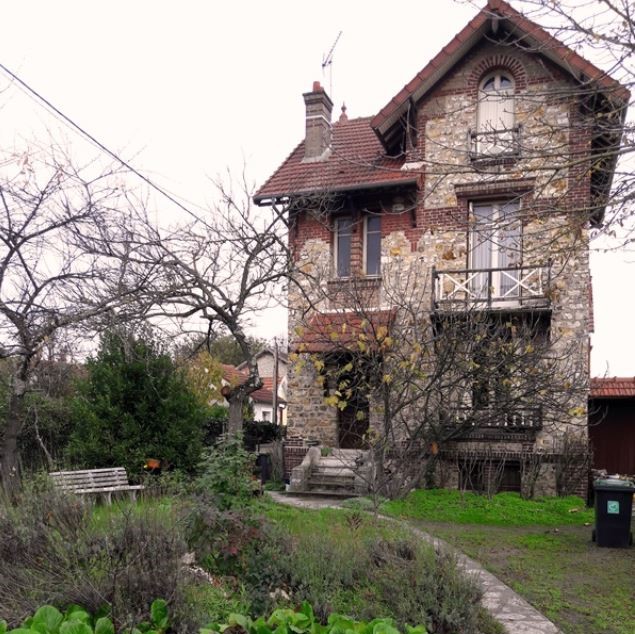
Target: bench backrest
{"x": 90, "y": 478}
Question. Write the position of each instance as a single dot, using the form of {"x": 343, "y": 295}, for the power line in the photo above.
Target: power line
{"x": 98, "y": 143}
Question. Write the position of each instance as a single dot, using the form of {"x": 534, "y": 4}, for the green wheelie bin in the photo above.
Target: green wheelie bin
{"x": 613, "y": 510}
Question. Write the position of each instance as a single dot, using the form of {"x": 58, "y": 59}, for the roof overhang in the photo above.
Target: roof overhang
{"x": 284, "y": 197}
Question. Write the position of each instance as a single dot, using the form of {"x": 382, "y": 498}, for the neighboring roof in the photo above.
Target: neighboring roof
{"x": 235, "y": 376}
{"x": 357, "y": 161}
{"x": 282, "y": 356}
{"x": 328, "y": 332}
{"x": 613, "y": 387}
{"x": 265, "y": 393}
{"x": 531, "y": 34}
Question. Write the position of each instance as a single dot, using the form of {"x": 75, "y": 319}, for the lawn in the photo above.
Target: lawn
{"x": 504, "y": 509}
{"x": 542, "y": 549}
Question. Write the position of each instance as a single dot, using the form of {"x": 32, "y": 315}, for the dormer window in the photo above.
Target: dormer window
{"x": 496, "y": 133}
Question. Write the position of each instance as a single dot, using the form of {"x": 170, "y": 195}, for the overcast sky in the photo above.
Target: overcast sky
{"x": 185, "y": 90}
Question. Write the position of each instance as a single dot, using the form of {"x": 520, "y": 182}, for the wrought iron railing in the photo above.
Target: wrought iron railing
{"x": 468, "y": 422}
{"x": 500, "y": 418}
{"x": 493, "y": 144}
{"x": 510, "y": 287}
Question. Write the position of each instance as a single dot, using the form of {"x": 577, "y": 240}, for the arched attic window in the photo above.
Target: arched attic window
{"x": 496, "y": 132}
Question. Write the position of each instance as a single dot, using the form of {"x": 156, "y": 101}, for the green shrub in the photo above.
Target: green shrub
{"x": 226, "y": 474}
{"x": 218, "y": 538}
{"x": 53, "y": 552}
{"x": 135, "y": 404}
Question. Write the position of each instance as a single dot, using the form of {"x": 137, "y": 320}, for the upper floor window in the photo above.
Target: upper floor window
{"x": 495, "y": 116}
{"x": 347, "y": 243}
{"x": 372, "y": 245}
{"x": 343, "y": 245}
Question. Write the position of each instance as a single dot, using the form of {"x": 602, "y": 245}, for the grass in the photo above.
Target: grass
{"x": 541, "y": 549}
{"x": 504, "y": 509}
{"x": 103, "y": 514}
{"x": 335, "y": 523}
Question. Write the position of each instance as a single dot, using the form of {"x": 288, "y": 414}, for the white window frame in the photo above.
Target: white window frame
{"x": 364, "y": 247}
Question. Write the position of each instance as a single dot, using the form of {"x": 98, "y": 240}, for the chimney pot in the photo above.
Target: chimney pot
{"x": 317, "y": 87}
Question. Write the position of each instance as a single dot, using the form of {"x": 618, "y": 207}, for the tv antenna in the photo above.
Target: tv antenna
{"x": 327, "y": 62}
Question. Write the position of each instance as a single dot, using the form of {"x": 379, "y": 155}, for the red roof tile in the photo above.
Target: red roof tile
{"x": 548, "y": 45}
{"x": 235, "y": 376}
{"x": 327, "y": 332}
{"x": 357, "y": 159}
{"x": 613, "y": 387}
{"x": 265, "y": 393}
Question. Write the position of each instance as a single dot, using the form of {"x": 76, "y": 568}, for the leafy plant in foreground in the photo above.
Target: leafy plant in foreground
{"x": 49, "y": 620}
{"x": 303, "y": 621}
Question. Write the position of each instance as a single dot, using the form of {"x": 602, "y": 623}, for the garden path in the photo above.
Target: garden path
{"x": 515, "y": 614}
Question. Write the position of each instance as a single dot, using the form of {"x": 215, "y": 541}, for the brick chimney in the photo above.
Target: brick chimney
{"x": 318, "y": 123}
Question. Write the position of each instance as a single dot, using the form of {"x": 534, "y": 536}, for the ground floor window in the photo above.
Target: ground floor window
{"x": 486, "y": 475}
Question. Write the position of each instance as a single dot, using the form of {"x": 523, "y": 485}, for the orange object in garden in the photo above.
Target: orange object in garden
{"x": 152, "y": 464}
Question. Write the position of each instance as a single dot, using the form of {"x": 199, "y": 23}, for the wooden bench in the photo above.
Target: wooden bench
{"x": 101, "y": 482}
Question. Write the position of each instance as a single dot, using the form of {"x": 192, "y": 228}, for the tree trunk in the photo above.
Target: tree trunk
{"x": 235, "y": 420}
{"x": 9, "y": 454}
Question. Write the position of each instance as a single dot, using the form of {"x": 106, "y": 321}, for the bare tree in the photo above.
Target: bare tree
{"x": 221, "y": 268}
{"x": 53, "y": 217}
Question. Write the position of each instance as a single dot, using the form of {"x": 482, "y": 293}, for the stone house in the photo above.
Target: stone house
{"x": 450, "y": 230}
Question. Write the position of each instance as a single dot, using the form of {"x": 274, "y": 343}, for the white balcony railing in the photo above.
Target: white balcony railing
{"x": 512, "y": 287}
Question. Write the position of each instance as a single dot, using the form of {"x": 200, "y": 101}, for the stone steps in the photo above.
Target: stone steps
{"x": 334, "y": 474}
{"x": 333, "y": 471}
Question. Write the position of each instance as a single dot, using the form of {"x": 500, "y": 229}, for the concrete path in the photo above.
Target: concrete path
{"x": 511, "y": 610}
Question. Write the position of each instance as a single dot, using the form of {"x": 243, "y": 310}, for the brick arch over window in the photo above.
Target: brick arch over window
{"x": 502, "y": 62}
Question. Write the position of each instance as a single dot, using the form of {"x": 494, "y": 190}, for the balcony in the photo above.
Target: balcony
{"x": 512, "y": 288}
{"x": 494, "y": 145}
{"x": 520, "y": 424}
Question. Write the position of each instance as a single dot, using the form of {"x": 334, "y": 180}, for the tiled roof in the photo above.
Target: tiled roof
{"x": 357, "y": 159}
{"x": 613, "y": 387}
{"x": 543, "y": 41}
{"x": 265, "y": 393}
{"x": 235, "y": 376}
{"x": 327, "y": 332}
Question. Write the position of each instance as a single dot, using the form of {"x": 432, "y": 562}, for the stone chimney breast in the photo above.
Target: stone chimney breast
{"x": 319, "y": 107}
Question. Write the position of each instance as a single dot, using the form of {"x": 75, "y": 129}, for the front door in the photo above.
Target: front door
{"x": 353, "y": 424}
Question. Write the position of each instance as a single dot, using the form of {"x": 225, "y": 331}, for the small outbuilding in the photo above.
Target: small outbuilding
{"x": 612, "y": 424}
